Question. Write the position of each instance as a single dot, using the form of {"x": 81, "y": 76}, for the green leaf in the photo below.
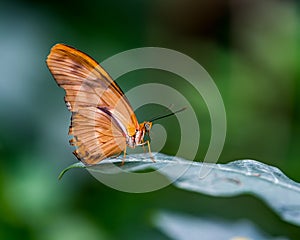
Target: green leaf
{"x": 185, "y": 227}
{"x": 74, "y": 165}
{"x": 235, "y": 178}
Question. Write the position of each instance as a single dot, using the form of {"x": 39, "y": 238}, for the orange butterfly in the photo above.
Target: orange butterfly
{"x": 103, "y": 123}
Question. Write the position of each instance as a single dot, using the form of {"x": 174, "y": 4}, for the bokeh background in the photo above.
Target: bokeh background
{"x": 251, "y": 50}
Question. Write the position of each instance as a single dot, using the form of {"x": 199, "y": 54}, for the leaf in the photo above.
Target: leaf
{"x": 235, "y": 178}
{"x": 184, "y": 227}
{"x": 74, "y": 165}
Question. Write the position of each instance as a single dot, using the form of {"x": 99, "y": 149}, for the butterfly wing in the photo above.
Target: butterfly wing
{"x": 96, "y": 135}
{"x": 101, "y": 114}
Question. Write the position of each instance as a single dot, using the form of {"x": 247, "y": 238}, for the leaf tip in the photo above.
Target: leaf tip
{"x": 74, "y": 165}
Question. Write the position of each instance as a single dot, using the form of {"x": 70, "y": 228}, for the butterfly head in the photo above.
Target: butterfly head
{"x": 146, "y": 126}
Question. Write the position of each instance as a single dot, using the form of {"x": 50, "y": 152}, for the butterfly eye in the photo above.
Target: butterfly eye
{"x": 148, "y": 126}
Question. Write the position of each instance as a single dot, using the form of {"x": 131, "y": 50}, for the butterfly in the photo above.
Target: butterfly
{"x": 103, "y": 122}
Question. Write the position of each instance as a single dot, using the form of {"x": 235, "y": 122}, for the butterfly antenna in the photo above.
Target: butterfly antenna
{"x": 167, "y": 115}
{"x": 165, "y": 111}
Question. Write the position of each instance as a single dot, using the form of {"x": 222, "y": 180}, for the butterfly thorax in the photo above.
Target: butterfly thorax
{"x": 137, "y": 138}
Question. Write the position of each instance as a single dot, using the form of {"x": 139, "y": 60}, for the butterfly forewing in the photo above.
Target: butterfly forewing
{"x": 101, "y": 114}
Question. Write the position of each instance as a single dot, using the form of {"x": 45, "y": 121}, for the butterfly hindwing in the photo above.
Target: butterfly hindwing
{"x": 96, "y": 135}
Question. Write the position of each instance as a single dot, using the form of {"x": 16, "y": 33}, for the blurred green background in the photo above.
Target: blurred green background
{"x": 251, "y": 50}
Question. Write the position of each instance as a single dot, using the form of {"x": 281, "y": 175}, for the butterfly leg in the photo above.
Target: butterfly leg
{"x": 124, "y": 156}
{"x": 143, "y": 146}
{"x": 149, "y": 149}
